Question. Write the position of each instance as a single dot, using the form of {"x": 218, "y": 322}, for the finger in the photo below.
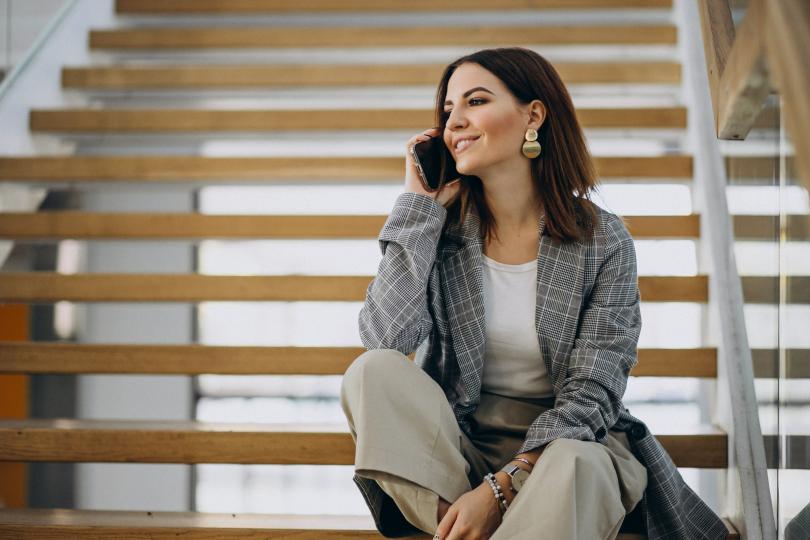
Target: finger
{"x": 446, "y": 524}
{"x": 418, "y": 138}
{"x": 452, "y": 187}
{"x": 455, "y": 532}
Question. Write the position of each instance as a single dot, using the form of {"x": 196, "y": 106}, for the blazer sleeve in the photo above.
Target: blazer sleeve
{"x": 604, "y": 351}
{"x": 395, "y": 313}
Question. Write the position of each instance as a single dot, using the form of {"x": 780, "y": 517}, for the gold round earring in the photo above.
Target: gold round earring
{"x": 531, "y": 148}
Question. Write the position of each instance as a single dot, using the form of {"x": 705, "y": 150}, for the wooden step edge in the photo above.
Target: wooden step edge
{"x": 145, "y": 168}
{"x": 59, "y": 357}
{"x": 160, "y": 38}
{"x": 157, "y": 287}
{"x": 29, "y": 523}
{"x": 226, "y": 7}
{"x": 769, "y": 228}
{"x": 92, "y": 225}
{"x": 39, "y": 357}
{"x": 242, "y": 76}
{"x": 166, "y": 441}
{"x": 99, "y": 225}
{"x": 102, "y": 287}
{"x": 170, "y": 121}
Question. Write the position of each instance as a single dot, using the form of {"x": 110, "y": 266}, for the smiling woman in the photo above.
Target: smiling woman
{"x": 521, "y": 298}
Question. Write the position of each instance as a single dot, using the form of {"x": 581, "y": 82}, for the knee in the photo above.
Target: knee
{"x": 583, "y": 457}
{"x": 371, "y": 367}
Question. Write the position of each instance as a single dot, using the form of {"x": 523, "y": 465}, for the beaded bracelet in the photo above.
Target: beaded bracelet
{"x": 496, "y": 489}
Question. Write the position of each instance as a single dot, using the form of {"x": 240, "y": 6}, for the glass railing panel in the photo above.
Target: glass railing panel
{"x": 752, "y": 167}
{"x": 793, "y": 517}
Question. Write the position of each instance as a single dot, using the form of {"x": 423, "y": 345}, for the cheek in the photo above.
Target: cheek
{"x": 500, "y": 128}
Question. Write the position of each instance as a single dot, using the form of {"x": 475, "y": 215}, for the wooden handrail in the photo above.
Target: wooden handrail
{"x": 767, "y": 51}
{"x": 787, "y": 41}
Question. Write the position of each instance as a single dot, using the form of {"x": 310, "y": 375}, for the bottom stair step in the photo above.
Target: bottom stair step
{"x": 25, "y": 524}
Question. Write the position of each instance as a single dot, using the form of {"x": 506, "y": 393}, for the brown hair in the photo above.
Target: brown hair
{"x": 564, "y": 173}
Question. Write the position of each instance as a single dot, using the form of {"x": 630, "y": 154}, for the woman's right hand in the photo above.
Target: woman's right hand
{"x": 412, "y": 182}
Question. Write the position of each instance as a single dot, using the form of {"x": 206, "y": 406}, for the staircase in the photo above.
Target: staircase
{"x": 186, "y": 40}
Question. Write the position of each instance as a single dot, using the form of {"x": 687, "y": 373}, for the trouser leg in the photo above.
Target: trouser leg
{"x": 572, "y": 493}
{"x": 406, "y": 435}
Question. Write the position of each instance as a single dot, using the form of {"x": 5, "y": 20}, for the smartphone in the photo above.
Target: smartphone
{"x": 434, "y": 163}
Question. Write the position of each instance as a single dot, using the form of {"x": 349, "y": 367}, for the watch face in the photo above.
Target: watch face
{"x": 519, "y": 479}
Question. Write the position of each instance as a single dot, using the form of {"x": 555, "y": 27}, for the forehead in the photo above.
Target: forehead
{"x": 470, "y": 75}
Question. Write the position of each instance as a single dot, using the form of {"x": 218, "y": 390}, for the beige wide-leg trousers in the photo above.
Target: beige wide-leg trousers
{"x": 409, "y": 442}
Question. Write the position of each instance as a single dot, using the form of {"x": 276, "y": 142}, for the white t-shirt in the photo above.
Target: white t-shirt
{"x": 513, "y": 364}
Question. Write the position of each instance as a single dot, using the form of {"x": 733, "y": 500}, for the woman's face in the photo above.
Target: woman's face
{"x": 490, "y": 114}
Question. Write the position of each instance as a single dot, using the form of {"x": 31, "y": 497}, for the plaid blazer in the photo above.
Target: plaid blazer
{"x": 428, "y": 295}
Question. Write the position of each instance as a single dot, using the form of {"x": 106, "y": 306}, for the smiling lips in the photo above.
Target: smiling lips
{"x": 465, "y": 143}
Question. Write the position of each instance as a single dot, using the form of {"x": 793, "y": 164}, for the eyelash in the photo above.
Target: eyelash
{"x": 446, "y": 114}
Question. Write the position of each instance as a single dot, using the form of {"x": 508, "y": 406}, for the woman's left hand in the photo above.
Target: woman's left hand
{"x": 473, "y": 516}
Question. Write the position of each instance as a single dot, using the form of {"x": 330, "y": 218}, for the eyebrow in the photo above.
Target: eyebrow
{"x": 468, "y": 92}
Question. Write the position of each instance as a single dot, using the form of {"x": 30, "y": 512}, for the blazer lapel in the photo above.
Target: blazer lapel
{"x": 560, "y": 275}
{"x": 463, "y": 281}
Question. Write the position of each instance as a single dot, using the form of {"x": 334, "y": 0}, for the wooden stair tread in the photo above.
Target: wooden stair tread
{"x": 76, "y": 224}
{"x": 766, "y": 289}
{"x": 61, "y": 357}
{"x": 145, "y": 168}
{"x": 178, "y": 441}
{"x": 155, "y": 522}
{"x": 106, "y": 287}
{"x": 187, "y": 426}
{"x": 214, "y": 37}
{"x": 155, "y": 287}
{"x": 323, "y": 75}
{"x": 749, "y": 227}
{"x": 161, "y": 525}
{"x": 211, "y": 120}
{"x": 222, "y": 7}
{"x": 37, "y": 357}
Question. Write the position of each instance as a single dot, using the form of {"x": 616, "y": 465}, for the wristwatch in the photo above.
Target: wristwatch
{"x": 517, "y": 475}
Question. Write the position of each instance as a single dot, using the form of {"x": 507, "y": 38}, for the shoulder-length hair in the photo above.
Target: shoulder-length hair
{"x": 564, "y": 174}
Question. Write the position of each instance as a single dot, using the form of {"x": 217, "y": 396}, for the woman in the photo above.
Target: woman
{"x": 521, "y": 297}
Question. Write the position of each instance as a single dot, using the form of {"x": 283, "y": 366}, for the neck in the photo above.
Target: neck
{"x": 513, "y": 201}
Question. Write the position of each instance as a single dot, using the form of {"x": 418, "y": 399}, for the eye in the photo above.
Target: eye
{"x": 446, "y": 114}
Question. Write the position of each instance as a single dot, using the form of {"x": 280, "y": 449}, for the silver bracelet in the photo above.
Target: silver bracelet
{"x": 524, "y": 460}
{"x": 497, "y": 490}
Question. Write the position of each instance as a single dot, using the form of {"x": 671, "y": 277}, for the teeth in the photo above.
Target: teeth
{"x": 464, "y": 144}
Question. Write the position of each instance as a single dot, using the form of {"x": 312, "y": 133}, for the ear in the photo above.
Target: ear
{"x": 537, "y": 114}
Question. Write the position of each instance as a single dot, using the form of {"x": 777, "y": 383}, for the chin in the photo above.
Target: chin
{"x": 465, "y": 168}
{"x": 469, "y": 171}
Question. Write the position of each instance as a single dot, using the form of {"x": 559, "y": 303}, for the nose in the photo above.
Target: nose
{"x": 456, "y": 119}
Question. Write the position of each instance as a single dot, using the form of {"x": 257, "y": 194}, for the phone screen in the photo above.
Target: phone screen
{"x": 436, "y": 162}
